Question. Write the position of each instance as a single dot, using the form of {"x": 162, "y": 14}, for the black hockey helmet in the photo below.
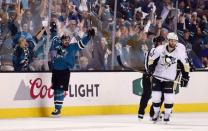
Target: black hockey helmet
{"x": 158, "y": 40}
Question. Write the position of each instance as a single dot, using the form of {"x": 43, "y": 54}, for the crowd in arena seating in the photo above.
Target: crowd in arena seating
{"x": 27, "y": 28}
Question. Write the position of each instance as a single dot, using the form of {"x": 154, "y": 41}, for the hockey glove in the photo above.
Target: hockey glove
{"x": 91, "y": 32}
{"x": 150, "y": 70}
{"x": 148, "y": 74}
{"x": 184, "y": 82}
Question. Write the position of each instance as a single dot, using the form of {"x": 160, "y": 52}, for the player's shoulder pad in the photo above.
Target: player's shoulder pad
{"x": 156, "y": 51}
{"x": 181, "y": 46}
{"x": 160, "y": 48}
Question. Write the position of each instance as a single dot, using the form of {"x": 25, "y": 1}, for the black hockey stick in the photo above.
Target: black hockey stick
{"x": 143, "y": 72}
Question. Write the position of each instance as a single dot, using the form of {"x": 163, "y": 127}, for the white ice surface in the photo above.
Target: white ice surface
{"x": 179, "y": 122}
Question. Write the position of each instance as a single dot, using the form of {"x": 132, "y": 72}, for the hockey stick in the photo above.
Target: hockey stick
{"x": 143, "y": 72}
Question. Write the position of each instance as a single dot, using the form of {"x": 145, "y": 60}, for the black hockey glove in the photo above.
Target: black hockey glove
{"x": 148, "y": 74}
{"x": 91, "y": 32}
{"x": 184, "y": 79}
{"x": 184, "y": 82}
{"x": 150, "y": 70}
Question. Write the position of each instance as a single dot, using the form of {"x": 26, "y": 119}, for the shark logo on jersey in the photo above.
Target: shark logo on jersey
{"x": 61, "y": 52}
{"x": 168, "y": 61}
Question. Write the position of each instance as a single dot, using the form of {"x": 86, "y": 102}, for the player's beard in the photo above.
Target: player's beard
{"x": 65, "y": 44}
{"x": 171, "y": 46}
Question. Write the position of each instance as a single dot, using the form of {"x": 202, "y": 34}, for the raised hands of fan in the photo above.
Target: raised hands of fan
{"x": 91, "y": 32}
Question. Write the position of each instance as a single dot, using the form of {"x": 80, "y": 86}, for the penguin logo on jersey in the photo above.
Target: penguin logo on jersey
{"x": 168, "y": 61}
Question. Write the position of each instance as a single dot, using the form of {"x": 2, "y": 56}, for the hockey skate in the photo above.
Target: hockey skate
{"x": 156, "y": 117}
{"x": 56, "y": 113}
{"x": 140, "y": 117}
{"x": 166, "y": 118}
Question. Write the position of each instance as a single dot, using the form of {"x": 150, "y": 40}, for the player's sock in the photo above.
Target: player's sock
{"x": 58, "y": 101}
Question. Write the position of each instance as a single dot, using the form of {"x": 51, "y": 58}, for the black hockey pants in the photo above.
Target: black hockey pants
{"x": 146, "y": 95}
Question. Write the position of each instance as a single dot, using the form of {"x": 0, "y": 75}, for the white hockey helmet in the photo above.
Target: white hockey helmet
{"x": 172, "y": 36}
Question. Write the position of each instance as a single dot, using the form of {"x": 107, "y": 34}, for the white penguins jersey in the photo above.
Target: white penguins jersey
{"x": 166, "y": 66}
{"x": 147, "y": 55}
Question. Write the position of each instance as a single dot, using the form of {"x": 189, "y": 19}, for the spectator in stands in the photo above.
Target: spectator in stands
{"x": 205, "y": 62}
{"x": 99, "y": 50}
{"x": 25, "y": 19}
{"x": 21, "y": 55}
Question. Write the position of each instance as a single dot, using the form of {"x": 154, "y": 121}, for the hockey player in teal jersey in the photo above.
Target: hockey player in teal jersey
{"x": 62, "y": 54}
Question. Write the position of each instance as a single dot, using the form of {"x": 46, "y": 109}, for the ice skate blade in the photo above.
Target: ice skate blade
{"x": 140, "y": 119}
{"x": 166, "y": 122}
{"x": 55, "y": 116}
{"x": 154, "y": 122}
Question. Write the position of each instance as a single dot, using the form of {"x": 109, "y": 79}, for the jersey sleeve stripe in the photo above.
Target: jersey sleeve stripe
{"x": 80, "y": 44}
